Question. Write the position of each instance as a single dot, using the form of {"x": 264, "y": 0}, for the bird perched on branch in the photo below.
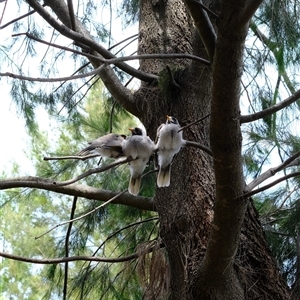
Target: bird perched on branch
{"x": 109, "y": 145}
{"x": 140, "y": 148}
{"x": 169, "y": 143}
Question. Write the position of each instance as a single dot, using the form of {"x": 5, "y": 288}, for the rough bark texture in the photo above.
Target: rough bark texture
{"x": 255, "y": 266}
{"x": 186, "y": 207}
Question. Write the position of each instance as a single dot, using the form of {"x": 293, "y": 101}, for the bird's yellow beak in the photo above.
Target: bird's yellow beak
{"x": 131, "y": 129}
{"x": 169, "y": 118}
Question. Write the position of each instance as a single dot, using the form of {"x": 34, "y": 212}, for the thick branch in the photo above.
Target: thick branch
{"x": 203, "y": 25}
{"x": 271, "y": 110}
{"x": 79, "y": 190}
{"x": 249, "y": 11}
{"x": 226, "y": 143}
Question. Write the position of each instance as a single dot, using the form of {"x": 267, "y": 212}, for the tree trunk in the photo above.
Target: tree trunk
{"x": 186, "y": 207}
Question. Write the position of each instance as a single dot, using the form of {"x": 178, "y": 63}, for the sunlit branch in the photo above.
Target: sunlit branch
{"x": 82, "y": 216}
{"x": 271, "y": 110}
{"x": 71, "y": 157}
{"x": 266, "y": 187}
{"x": 271, "y": 172}
{"x": 79, "y": 190}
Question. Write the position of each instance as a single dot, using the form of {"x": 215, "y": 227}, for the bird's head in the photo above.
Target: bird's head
{"x": 136, "y": 131}
{"x": 172, "y": 120}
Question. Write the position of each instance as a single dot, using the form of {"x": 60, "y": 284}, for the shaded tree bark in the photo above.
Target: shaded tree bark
{"x": 199, "y": 267}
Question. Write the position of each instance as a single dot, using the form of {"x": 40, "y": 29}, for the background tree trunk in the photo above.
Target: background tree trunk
{"x": 186, "y": 208}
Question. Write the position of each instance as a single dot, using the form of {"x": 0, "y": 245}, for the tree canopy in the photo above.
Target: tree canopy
{"x": 227, "y": 227}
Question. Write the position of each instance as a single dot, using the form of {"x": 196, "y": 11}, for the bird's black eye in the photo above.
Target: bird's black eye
{"x": 174, "y": 120}
{"x": 138, "y": 131}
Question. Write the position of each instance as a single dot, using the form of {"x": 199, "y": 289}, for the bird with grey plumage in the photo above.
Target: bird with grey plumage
{"x": 169, "y": 143}
{"x": 139, "y": 147}
{"x": 109, "y": 146}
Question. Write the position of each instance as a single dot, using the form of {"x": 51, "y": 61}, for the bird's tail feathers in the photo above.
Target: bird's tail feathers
{"x": 164, "y": 176}
{"x": 134, "y": 185}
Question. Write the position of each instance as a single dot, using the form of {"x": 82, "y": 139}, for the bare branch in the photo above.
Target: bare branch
{"x": 38, "y": 79}
{"x": 123, "y": 58}
{"x": 271, "y": 110}
{"x": 82, "y": 216}
{"x": 88, "y": 41}
{"x": 249, "y": 194}
{"x": 71, "y": 157}
{"x": 93, "y": 171}
{"x": 19, "y": 18}
{"x": 193, "y": 123}
{"x": 49, "y": 261}
{"x": 3, "y": 11}
{"x": 271, "y": 172}
{"x": 79, "y": 190}
{"x": 106, "y": 62}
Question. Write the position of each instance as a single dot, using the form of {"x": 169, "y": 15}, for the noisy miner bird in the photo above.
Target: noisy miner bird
{"x": 169, "y": 143}
{"x": 139, "y": 147}
{"x": 109, "y": 145}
